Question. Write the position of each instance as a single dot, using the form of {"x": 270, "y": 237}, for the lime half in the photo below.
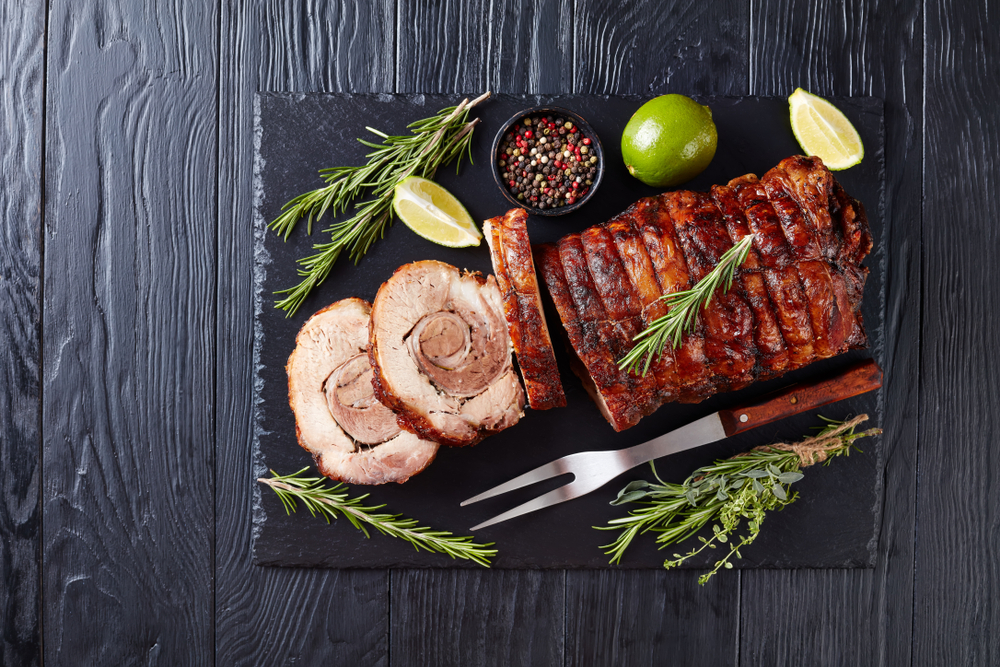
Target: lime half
{"x": 433, "y": 213}
{"x": 824, "y": 131}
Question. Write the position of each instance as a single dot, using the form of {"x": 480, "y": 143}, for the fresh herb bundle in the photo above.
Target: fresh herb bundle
{"x": 431, "y": 143}
{"x": 726, "y": 494}
{"x": 684, "y": 308}
{"x": 330, "y": 502}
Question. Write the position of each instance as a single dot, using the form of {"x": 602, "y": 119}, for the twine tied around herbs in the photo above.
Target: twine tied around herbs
{"x": 817, "y": 449}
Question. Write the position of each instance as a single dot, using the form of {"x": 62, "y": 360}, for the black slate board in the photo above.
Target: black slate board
{"x": 835, "y": 522}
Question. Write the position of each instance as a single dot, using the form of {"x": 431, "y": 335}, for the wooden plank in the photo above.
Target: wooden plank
{"x": 22, "y": 64}
{"x": 650, "y": 48}
{"x": 271, "y": 615}
{"x": 863, "y": 48}
{"x": 456, "y": 617}
{"x": 651, "y": 618}
{"x": 466, "y": 47}
{"x": 957, "y": 578}
{"x": 128, "y": 321}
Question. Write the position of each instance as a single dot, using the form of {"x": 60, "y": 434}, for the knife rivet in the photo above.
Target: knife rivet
{"x": 794, "y": 400}
{"x": 744, "y": 418}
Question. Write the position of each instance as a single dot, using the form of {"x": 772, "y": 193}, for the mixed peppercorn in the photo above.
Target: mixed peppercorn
{"x": 547, "y": 162}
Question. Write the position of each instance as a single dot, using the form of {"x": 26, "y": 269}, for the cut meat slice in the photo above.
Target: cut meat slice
{"x": 507, "y": 237}
{"x": 352, "y": 437}
{"x": 441, "y": 353}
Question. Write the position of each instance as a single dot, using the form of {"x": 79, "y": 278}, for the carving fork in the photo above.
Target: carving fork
{"x": 591, "y": 470}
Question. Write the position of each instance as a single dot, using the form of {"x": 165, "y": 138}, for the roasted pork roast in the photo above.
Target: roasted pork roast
{"x": 352, "y": 437}
{"x": 441, "y": 352}
{"x": 507, "y": 237}
{"x": 796, "y": 299}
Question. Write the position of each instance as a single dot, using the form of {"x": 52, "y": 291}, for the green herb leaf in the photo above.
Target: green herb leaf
{"x": 629, "y": 497}
{"x": 332, "y": 502}
{"x": 432, "y": 142}
{"x": 677, "y": 512}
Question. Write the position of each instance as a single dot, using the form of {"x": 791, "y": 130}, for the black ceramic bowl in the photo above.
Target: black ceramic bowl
{"x": 585, "y": 129}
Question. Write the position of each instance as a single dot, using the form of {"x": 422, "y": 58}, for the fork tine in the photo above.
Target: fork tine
{"x": 554, "y": 497}
{"x": 539, "y": 474}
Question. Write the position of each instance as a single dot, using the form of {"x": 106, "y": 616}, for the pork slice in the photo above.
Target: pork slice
{"x": 438, "y": 343}
{"x": 510, "y": 249}
{"x": 352, "y": 437}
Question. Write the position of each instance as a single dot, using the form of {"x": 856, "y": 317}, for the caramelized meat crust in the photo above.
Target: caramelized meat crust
{"x": 507, "y": 237}
{"x": 795, "y": 300}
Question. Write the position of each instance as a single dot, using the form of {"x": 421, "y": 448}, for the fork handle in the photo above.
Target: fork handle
{"x": 858, "y": 379}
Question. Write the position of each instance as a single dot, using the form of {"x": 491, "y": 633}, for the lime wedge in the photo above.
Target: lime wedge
{"x": 823, "y": 130}
{"x": 434, "y": 213}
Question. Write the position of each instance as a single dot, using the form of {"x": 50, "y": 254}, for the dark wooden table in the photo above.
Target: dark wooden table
{"x": 125, "y": 385}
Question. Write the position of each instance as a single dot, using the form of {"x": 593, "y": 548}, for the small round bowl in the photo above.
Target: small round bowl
{"x": 585, "y": 128}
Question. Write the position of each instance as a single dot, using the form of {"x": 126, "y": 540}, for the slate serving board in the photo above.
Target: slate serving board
{"x": 834, "y": 523}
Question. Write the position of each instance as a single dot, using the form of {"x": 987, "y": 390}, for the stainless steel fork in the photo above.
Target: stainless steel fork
{"x": 591, "y": 470}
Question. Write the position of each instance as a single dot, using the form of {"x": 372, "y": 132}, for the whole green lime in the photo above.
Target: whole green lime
{"x": 669, "y": 140}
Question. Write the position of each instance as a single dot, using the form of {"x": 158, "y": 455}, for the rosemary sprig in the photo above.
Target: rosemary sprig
{"x": 684, "y": 307}
{"x": 431, "y": 143}
{"x": 330, "y": 502}
{"x": 730, "y": 491}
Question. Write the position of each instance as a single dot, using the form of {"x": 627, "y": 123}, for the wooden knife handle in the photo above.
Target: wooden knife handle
{"x": 858, "y": 379}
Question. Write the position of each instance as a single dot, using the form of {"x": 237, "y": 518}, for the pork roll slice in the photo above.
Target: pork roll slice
{"x": 795, "y": 300}
{"x": 441, "y": 353}
{"x": 352, "y": 437}
{"x": 507, "y": 236}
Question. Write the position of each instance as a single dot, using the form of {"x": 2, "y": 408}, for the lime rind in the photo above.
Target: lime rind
{"x": 413, "y": 198}
{"x": 669, "y": 140}
{"x": 842, "y": 138}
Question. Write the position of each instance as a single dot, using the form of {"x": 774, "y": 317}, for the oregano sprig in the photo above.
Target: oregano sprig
{"x": 684, "y": 308}
{"x": 727, "y": 495}
{"x": 432, "y": 142}
{"x": 331, "y": 502}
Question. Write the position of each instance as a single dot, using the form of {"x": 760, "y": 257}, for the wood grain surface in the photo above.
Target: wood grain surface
{"x": 22, "y": 80}
{"x": 270, "y": 616}
{"x": 139, "y": 278}
{"x": 128, "y": 333}
{"x": 628, "y": 48}
{"x": 449, "y": 47}
{"x": 957, "y": 565}
{"x": 858, "y": 49}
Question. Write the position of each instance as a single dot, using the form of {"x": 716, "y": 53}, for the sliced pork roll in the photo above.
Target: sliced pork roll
{"x": 352, "y": 437}
{"x": 507, "y": 236}
{"x": 441, "y": 352}
{"x": 796, "y": 299}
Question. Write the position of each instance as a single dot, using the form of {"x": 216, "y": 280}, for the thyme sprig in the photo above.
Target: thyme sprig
{"x": 726, "y": 494}
{"x": 432, "y": 142}
{"x": 684, "y": 308}
{"x": 332, "y": 501}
